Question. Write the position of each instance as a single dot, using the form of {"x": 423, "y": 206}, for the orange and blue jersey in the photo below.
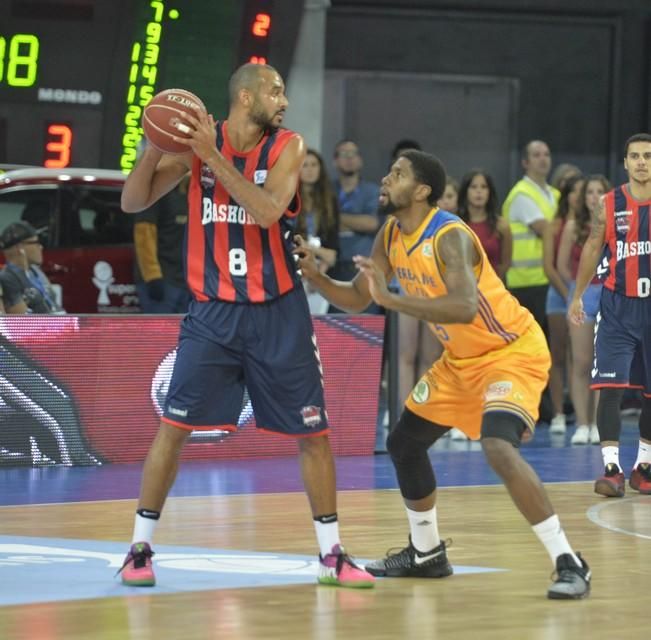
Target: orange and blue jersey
{"x": 228, "y": 255}
{"x": 628, "y": 244}
{"x": 415, "y": 260}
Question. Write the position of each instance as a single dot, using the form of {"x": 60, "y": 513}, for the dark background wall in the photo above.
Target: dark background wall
{"x": 583, "y": 67}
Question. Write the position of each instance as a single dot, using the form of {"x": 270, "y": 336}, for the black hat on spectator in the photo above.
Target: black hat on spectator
{"x": 15, "y": 233}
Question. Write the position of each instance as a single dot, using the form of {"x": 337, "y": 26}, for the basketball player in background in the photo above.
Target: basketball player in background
{"x": 622, "y": 357}
{"x": 493, "y": 369}
{"x": 246, "y": 293}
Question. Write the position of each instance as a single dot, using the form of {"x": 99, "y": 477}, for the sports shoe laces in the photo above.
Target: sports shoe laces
{"x": 611, "y": 470}
{"x": 139, "y": 558}
{"x": 342, "y": 558}
{"x": 396, "y": 557}
{"x": 568, "y": 570}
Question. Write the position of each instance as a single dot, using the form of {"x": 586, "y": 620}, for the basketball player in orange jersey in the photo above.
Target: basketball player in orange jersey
{"x": 487, "y": 383}
{"x": 246, "y": 294}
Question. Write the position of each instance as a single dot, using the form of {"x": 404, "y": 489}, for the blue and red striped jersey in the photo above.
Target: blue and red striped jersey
{"x": 228, "y": 255}
{"x": 628, "y": 242}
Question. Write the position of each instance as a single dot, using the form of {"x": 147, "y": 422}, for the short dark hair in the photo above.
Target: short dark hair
{"x": 429, "y": 170}
{"x": 246, "y": 76}
{"x": 525, "y": 149}
{"x": 404, "y": 144}
{"x": 342, "y": 142}
{"x": 638, "y": 137}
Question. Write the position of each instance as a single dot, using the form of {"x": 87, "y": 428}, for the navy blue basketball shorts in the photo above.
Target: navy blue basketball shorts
{"x": 622, "y": 356}
{"x": 267, "y": 348}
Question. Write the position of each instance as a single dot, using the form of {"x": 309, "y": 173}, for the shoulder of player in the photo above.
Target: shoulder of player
{"x": 453, "y": 239}
{"x": 291, "y": 145}
{"x": 389, "y": 226}
{"x": 290, "y": 137}
{"x": 454, "y": 250}
{"x": 386, "y": 233}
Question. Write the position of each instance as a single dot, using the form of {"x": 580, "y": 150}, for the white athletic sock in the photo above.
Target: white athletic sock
{"x": 327, "y": 535}
{"x": 424, "y": 529}
{"x": 551, "y": 534}
{"x": 643, "y": 453}
{"x": 143, "y": 529}
{"x": 610, "y": 455}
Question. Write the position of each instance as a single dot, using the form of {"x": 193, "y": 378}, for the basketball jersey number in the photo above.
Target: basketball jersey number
{"x": 237, "y": 262}
{"x": 643, "y": 287}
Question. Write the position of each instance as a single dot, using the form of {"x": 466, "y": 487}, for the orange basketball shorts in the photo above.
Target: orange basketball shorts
{"x": 456, "y": 392}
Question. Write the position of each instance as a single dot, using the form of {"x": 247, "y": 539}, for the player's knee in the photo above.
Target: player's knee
{"x": 316, "y": 445}
{"x": 501, "y": 455}
{"x": 414, "y": 470}
{"x": 412, "y": 436}
{"x": 401, "y": 447}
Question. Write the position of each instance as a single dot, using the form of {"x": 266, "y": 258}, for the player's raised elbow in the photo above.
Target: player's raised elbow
{"x": 129, "y": 204}
{"x": 128, "y": 207}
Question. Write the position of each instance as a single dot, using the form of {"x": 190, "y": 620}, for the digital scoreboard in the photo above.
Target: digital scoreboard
{"x": 75, "y": 74}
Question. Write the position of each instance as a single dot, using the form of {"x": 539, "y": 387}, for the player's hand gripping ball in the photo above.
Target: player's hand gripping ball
{"x": 161, "y": 119}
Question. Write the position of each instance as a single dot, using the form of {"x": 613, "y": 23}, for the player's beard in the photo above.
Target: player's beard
{"x": 261, "y": 118}
{"x": 387, "y": 209}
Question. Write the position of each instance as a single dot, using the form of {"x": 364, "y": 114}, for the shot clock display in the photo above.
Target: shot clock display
{"x": 254, "y": 45}
{"x": 75, "y": 74}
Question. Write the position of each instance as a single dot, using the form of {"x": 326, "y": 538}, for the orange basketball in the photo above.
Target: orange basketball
{"x": 161, "y": 119}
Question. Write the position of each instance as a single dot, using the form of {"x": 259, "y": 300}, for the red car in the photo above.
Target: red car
{"x": 88, "y": 239}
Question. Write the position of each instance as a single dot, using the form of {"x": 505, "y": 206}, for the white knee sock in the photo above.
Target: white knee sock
{"x": 424, "y": 529}
{"x": 551, "y": 534}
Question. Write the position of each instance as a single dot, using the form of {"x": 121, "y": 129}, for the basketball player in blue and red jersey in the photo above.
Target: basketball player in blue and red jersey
{"x": 247, "y": 295}
{"x": 488, "y": 381}
{"x": 622, "y": 352}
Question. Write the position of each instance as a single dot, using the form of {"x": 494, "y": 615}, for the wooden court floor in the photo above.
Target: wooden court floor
{"x": 613, "y": 535}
